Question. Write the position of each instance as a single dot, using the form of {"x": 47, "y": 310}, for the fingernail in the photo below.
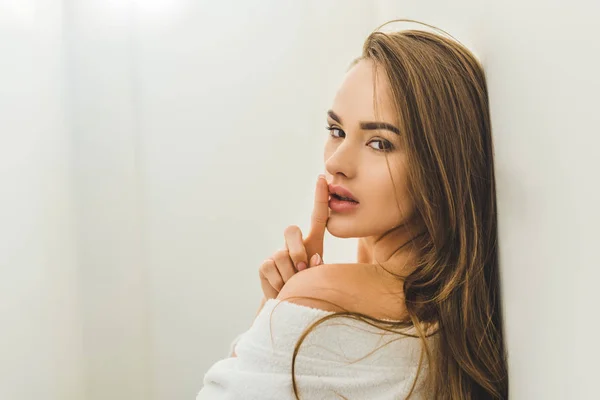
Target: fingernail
{"x": 301, "y": 265}
{"x": 315, "y": 259}
{"x": 320, "y": 176}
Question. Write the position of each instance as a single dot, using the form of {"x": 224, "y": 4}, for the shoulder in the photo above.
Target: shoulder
{"x": 340, "y": 287}
{"x": 318, "y": 287}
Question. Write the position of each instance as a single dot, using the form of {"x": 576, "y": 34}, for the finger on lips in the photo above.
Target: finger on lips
{"x": 321, "y": 209}
{"x": 319, "y": 217}
{"x": 298, "y": 253}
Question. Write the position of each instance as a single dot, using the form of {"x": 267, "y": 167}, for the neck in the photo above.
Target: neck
{"x": 397, "y": 248}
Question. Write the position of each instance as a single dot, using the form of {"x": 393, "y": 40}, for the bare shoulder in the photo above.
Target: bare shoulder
{"x": 320, "y": 286}
{"x": 339, "y": 287}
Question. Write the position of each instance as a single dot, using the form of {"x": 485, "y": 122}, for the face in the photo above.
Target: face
{"x": 355, "y": 157}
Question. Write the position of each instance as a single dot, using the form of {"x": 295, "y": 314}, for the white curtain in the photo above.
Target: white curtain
{"x": 152, "y": 153}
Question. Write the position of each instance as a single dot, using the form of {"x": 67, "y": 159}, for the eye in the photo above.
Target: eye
{"x": 331, "y": 129}
{"x": 386, "y": 146}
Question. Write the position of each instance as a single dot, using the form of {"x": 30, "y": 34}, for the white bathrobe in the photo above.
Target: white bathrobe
{"x": 334, "y": 357}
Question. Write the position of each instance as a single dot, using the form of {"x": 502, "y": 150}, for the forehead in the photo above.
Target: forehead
{"x": 354, "y": 99}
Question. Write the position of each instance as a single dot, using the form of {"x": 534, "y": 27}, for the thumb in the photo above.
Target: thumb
{"x": 319, "y": 217}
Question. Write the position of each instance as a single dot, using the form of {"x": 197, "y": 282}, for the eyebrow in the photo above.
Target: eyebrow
{"x": 366, "y": 125}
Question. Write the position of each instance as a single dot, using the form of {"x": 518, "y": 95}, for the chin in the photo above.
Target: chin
{"x": 341, "y": 229}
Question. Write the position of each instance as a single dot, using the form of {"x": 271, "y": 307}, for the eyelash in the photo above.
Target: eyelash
{"x": 389, "y": 148}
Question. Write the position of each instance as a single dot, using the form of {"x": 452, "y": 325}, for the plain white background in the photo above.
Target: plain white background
{"x": 152, "y": 153}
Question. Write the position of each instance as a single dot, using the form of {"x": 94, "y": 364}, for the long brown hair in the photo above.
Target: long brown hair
{"x": 439, "y": 93}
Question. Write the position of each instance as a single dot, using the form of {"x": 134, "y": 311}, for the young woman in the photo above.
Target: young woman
{"x": 410, "y": 172}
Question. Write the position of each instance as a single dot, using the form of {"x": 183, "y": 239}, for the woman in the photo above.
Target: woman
{"x": 410, "y": 172}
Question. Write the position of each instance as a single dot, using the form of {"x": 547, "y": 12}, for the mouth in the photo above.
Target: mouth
{"x": 341, "y": 193}
{"x": 339, "y": 204}
{"x": 342, "y": 198}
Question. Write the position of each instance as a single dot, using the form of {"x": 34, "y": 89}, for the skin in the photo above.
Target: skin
{"x": 384, "y": 220}
{"x": 354, "y": 159}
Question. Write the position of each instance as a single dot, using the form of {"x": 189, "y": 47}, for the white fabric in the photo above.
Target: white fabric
{"x": 262, "y": 368}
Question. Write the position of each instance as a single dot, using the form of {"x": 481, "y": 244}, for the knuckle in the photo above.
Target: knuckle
{"x": 290, "y": 230}
{"x": 266, "y": 265}
{"x": 281, "y": 254}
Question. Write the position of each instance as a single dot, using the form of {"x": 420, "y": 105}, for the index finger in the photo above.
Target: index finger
{"x": 320, "y": 215}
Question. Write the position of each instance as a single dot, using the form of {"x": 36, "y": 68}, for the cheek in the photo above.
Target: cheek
{"x": 388, "y": 195}
{"x": 381, "y": 188}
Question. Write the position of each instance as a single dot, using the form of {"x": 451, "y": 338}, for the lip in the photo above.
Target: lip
{"x": 342, "y": 206}
{"x": 342, "y": 191}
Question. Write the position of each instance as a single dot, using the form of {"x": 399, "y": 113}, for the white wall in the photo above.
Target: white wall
{"x": 543, "y": 62}
{"x": 154, "y": 151}
{"x": 109, "y": 206}
{"x": 41, "y": 354}
{"x": 232, "y": 103}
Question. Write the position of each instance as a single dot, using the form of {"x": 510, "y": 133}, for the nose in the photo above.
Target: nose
{"x": 342, "y": 160}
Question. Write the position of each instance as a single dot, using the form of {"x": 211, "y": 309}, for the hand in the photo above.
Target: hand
{"x": 285, "y": 263}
